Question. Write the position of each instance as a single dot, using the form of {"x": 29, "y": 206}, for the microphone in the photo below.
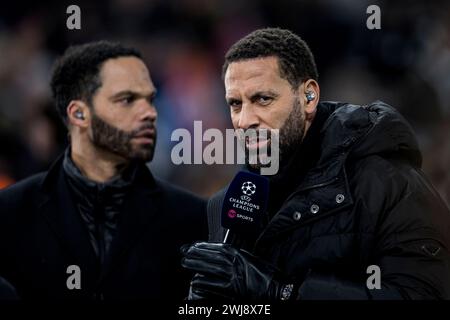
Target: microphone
{"x": 245, "y": 204}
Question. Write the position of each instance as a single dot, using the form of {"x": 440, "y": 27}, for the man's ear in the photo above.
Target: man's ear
{"x": 310, "y": 96}
{"x": 78, "y": 114}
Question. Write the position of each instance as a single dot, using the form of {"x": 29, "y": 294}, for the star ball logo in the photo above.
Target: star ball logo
{"x": 248, "y": 188}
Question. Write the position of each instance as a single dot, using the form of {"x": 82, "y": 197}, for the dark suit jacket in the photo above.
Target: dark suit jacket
{"x": 42, "y": 234}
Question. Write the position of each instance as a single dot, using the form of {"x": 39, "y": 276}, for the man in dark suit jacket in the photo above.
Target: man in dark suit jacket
{"x": 98, "y": 225}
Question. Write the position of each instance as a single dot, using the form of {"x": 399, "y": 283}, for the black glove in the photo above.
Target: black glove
{"x": 226, "y": 272}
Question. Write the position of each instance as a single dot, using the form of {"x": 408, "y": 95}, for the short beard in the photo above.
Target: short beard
{"x": 292, "y": 132}
{"x": 117, "y": 141}
{"x": 290, "y": 137}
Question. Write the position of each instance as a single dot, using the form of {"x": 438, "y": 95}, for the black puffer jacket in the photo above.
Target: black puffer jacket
{"x": 365, "y": 202}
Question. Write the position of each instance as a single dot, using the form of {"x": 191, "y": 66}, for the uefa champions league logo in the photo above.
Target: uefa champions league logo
{"x": 243, "y": 208}
{"x": 248, "y": 188}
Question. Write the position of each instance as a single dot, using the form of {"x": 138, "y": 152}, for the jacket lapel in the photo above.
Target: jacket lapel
{"x": 59, "y": 211}
{"x": 58, "y": 208}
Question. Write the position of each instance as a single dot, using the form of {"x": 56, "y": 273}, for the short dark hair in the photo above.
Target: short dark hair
{"x": 76, "y": 73}
{"x": 295, "y": 59}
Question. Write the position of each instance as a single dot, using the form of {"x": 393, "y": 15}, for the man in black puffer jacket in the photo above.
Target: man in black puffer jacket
{"x": 351, "y": 215}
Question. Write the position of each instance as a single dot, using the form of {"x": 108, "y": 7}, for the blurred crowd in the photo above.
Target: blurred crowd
{"x": 406, "y": 64}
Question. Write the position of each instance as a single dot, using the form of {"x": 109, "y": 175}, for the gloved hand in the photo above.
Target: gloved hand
{"x": 227, "y": 272}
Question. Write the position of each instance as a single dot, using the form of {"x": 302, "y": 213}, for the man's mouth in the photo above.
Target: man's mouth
{"x": 256, "y": 143}
{"x": 145, "y": 136}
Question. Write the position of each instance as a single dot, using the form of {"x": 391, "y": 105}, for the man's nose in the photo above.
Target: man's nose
{"x": 148, "y": 111}
{"x": 248, "y": 118}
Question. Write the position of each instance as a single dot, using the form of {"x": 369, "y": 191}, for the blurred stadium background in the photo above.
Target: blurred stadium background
{"x": 406, "y": 64}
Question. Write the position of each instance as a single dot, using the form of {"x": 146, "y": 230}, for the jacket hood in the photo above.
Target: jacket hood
{"x": 361, "y": 131}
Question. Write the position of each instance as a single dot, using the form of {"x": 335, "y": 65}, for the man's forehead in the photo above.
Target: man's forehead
{"x": 126, "y": 73}
{"x": 250, "y": 68}
{"x": 254, "y": 74}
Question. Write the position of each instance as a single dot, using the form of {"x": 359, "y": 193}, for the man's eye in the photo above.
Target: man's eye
{"x": 264, "y": 100}
{"x": 127, "y": 100}
{"x": 234, "y": 103}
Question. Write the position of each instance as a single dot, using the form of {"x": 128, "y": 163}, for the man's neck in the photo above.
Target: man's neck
{"x": 97, "y": 165}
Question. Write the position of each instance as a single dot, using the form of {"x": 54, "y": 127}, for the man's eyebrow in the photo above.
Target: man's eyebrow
{"x": 228, "y": 98}
{"x": 255, "y": 95}
{"x": 133, "y": 94}
{"x": 263, "y": 93}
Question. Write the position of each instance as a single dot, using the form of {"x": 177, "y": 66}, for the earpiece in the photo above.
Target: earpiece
{"x": 79, "y": 115}
{"x": 310, "y": 96}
